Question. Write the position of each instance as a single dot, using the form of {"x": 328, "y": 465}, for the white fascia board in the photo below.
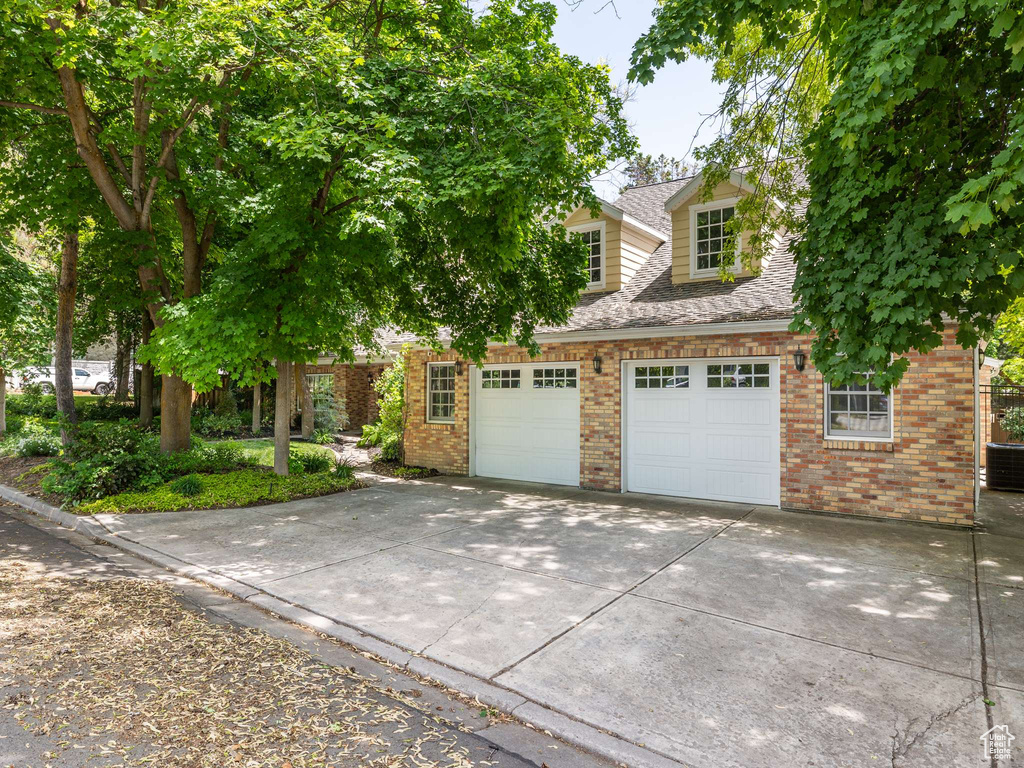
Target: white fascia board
{"x": 655, "y": 332}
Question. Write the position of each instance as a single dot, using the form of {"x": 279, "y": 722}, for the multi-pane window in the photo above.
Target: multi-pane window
{"x": 595, "y": 253}
{"x": 662, "y": 377}
{"x": 858, "y": 410}
{"x": 321, "y": 387}
{"x": 739, "y": 375}
{"x": 554, "y": 378}
{"x": 441, "y": 392}
{"x": 506, "y": 379}
{"x": 710, "y": 237}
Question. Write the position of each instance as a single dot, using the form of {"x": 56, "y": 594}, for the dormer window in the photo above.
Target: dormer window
{"x": 708, "y": 238}
{"x": 594, "y": 237}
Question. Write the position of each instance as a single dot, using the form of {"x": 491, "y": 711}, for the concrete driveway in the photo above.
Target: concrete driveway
{"x": 711, "y": 634}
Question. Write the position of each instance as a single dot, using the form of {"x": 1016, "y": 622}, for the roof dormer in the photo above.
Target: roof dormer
{"x": 698, "y": 229}
{"x": 618, "y": 243}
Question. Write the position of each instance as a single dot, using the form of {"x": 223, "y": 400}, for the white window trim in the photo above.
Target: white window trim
{"x": 431, "y": 420}
{"x": 694, "y": 210}
{"x": 826, "y": 408}
{"x": 589, "y": 226}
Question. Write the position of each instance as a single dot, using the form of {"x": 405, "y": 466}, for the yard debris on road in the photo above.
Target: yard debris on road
{"x": 122, "y": 665}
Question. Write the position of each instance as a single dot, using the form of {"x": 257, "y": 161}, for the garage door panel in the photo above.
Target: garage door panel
{"x": 656, "y": 409}
{"x": 661, "y": 446}
{"x": 742, "y": 486}
{"x": 528, "y": 433}
{"x": 739, "y": 448}
{"x": 716, "y": 442}
{"x": 676, "y": 481}
{"x": 740, "y": 410}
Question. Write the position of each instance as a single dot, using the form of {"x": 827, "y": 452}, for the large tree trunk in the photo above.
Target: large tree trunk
{"x": 307, "y": 401}
{"x": 282, "y": 416}
{"x": 257, "y": 397}
{"x": 145, "y": 393}
{"x": 3, "y": 401}
{"x": 175, "y": 414}
{"x": 66, "y": 287}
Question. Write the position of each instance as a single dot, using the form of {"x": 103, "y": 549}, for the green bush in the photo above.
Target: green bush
{"x": 387, "y": 431}
{"x": 321, "y": 437}
{"x": 209, "y": 424}
{"x": 105, "y": 459}
{"x": 234, "y": 489}
{"x": 344, "y": 470}
{"x": 189, "y": 485}
{"x": 1013, "y": 423}
{"x": 106, "y": 409}
{"x": 32, "y": 402}
{"x": 227, "y": 405}
{"x": 37, "y": 442}
{"x": 311, "y": 462}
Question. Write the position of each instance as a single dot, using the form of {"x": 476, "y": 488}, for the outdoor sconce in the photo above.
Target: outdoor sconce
{"x": 597, "y": 363}
{"x": 799, "y": 360}
{"x": 458, "y": 367}
{"x": 369, "y": 377}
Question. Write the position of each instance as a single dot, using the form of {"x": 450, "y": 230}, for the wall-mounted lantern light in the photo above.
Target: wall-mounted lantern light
{"x": 597, "y": 363}
{"x": 799, "y": 359}
{"x": 458, "y": 367}
{"x": 369, "y": 377}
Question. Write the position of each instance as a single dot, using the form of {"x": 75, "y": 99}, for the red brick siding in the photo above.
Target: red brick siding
{"x": 352, "y": 388}
{"x": 926, "y": 474}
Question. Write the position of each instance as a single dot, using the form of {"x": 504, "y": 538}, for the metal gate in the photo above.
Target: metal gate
{"x": 994, "y": 401}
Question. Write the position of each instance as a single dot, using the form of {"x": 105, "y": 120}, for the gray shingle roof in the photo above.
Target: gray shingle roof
{"x": 651, "y": 300}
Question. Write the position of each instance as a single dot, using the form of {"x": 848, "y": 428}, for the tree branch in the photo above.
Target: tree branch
{"x": 33, "y": 107}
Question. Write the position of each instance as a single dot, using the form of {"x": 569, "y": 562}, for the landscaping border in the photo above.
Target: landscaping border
{"x": 532, "y": 713}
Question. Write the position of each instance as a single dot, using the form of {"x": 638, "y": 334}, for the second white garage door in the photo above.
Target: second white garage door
{"x": 707, "y": 429}
{"x": 526, "y": 422}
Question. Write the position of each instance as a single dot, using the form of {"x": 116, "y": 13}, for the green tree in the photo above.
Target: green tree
{"x": 646, "y": 169}
{"x": 25, "y": 319}
{"x": 907, "y": 117}
{"x": 404, "y": 175}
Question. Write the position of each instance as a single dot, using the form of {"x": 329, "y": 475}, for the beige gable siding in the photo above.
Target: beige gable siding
{"x": 681, "y": 235}
{"x": 612, "y": 247}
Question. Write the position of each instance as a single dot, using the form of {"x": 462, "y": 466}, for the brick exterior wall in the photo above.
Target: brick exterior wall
{"x": 925, "y": 474}
{"x": 352, "y": 388}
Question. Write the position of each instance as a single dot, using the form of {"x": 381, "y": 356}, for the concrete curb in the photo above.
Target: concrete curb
{"x": 533, "y": 714}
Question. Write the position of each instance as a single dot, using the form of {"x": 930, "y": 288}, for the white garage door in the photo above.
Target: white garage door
{"x": 708, "y": 429}
{"x": 526, "y": 422}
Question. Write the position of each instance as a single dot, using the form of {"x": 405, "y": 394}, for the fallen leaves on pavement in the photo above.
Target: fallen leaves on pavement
{"x": 123, "y": 664}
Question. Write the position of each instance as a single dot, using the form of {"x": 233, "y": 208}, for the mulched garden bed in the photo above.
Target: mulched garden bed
{"x": 399, "y": 470}
{"x": 16, "y": 472}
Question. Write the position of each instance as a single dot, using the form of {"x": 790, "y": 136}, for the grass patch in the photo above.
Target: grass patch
{"x": 243, "y": 488}
{"x": 262, "y": 449}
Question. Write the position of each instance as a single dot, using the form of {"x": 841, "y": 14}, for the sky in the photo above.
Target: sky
{"x": 664, "y": 115}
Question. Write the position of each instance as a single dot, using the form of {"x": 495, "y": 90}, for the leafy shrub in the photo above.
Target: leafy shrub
{"x": 209, "y": 424}
{"x": 311, "y": 462}
{"x": 1013, "y": 423}
{"x": 32, "y": 402}
{"x": 37, "y": 441}
{"x": 15, "y": 424}
{"x": 321, "y": 437}
{"x": 344, "y": 470}
{"x": 413, "y": 472}
{"x": 387, "y": 431}
{"x": 234, "y": 489}
{"x": 106, "y": 458}
{"x": 107, "y": 409}
{"x": 227, "y": 405}
{"x": 189, "y": 485}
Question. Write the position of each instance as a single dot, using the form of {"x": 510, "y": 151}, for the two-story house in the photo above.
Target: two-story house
{"x": 668, "y": 381}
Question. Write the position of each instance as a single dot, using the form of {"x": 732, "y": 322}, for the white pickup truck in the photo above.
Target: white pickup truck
{"x": 81, "y": 380}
